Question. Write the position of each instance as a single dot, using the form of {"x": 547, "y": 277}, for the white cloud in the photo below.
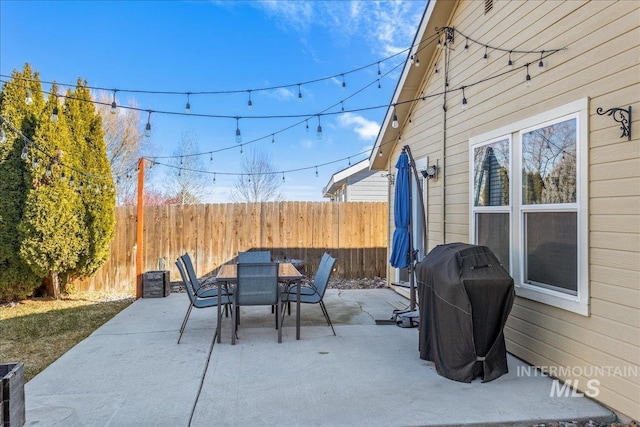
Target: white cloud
{"x": 365, "y": 129}
{"x": 389, "y": 26}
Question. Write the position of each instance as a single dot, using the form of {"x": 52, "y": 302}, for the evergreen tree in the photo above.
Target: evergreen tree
{"x": 98, "y": 198}
{"x": 52, "y": 231}
{"x": 17, "y": 280}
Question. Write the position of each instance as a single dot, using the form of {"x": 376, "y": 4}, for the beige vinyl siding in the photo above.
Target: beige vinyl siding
{"x": 367, "y": 186}
{"x": 601, "y": 63}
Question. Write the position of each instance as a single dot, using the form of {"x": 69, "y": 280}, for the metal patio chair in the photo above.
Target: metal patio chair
{"x": 254, "y": 256}
{"x": 257, "y": 285}
{"x": 313, "y": 293}
{"x": 210, "y": 300}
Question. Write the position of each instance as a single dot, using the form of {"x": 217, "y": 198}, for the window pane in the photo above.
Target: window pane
{"x": 552, "y": 250}
{"x": 493, "y": 232}
{"x": 491, "y": 174}
{"x": 549, "y": 164}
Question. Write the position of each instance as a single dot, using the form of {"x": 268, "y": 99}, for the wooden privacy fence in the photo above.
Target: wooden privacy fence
{"x": 213, "y": 234}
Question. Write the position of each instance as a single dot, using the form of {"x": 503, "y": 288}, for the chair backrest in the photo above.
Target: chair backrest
{"x": 191, "y": 272}
{"x": 321, "y": 279}
{"x": 257, "y": 284}
{"x": 254, "y": 256}
{"x": 185, "y": 278}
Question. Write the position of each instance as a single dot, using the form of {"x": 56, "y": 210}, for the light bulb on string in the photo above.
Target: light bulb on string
{"x": 249, "y": 178}
{"x": 81, "y": 186}
{"x": 307, "y": 126}
{"x": 187, "y": 107}
{"x": 299, "y": 93}
{"x": 181, "y": 160}
{"x": 527, "y": 80}
{"x": 238, "y": 134}
{"x": 28, "y": 98}
{"x": 147, "y": 128}
{"x": 394, "y": 123}
{"x": 316, "y": 171}
{"x": 379, "y": 72}
{"x": 180, "y": 172}
{"x": 417, "y": 63}
{"x": 273, "y": 139}
{"x": 114, "y": 106}
{"x": 466, "y": 44}
{"x": 344, "y": 83}
{"x": 439, "y": 44}
{"x": 54, "y": 114}
{"x": 319, "y": 130}
{"x": 241, "y": 151}
{"x": 211, "y": 156}
{"x": 379, "y": 86}
{"x": 349, "y": 161}
{"x": 282, "y": 176}
{"x": 36, "y": 162}
{"x": 464, "y": 100}
{"x": 249, "y": 102}
{"x": 380, "y": 153}
{"x": 485, "y": 57}
{"x": 72, "y": 181}
{"x": 342, "y": 105}
{"x": 510, "y": 64}
{"x": 63, "y": 178}
{"x": 541, "y": 64}
{"x": 214, "y": 178}
{"x": 25, "y": 153}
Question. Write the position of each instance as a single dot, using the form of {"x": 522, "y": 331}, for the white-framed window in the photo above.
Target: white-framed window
{"x": 528, "y": 189}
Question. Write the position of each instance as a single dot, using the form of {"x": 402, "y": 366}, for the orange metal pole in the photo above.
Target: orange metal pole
{"x": 140, "y": 228}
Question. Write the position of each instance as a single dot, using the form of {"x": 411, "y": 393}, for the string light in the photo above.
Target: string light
{"x": 527, "y": 80}
{"x": 282, "y": 176}
{"x": 485, "y": 57}
{"x": 394, "y": 123}
{"x": 417, "y": 63}
{"x": 307, "y": 126}
{"x": 54, "y": 114}
{"x": 147, "y": 128}
{"x": 238, "y": 134}
{"x": 28, "y": 99}
{"x": 249, "y": 102}
{"x": 342, "y": 106}
{"x": 214, "y": 178}
{"x": 319, "y": 130}
{"x": 273, "y": 139}
{"x": 241, "y": 151}
{"x": 541, "y": 64}
{"x": 72, "y": 181}
{"x": 464, "y": 100}
{"x": 344, "y": 83}
{"x": 114, "y": 106}
{"x": 299, "y": 93}
{"x": 211, "y": 158}
{"x": 379, "y": 86}
{"x": 510, "y": 64}
{"x": 35, "y": 163}
{"x": 466, "y": 44}
{"x": 316, "y": 171}
{"x": 379, "y": 72}
{"x": 187, "y": 108}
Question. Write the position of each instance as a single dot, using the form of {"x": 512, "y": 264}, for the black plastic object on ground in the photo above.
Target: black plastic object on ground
{"x": 465, "y": 296}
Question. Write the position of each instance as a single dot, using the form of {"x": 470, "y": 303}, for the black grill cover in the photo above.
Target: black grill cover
{"x": 465, "y": 296}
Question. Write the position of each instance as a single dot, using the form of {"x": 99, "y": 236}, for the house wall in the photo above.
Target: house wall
{"x": 367, "y": 186}
{"x": 601, "y": 62}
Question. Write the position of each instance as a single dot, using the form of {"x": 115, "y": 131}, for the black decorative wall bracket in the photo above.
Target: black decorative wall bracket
{"x": 622, "y": 116}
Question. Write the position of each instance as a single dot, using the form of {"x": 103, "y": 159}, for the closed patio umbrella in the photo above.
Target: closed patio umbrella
{"x": 401, "y": 244}
{"x": 401, "y": 215}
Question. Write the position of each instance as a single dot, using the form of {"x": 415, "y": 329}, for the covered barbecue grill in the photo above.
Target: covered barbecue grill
{"x": 465, "y": 296}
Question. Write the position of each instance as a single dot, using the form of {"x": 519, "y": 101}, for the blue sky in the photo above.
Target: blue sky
{"x": 198, "y": 46}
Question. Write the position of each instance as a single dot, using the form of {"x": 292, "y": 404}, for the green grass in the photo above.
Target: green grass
{"x": 36, "y": 332}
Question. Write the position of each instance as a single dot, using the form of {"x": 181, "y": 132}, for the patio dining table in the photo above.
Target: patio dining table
{"x": 287, "y": 273}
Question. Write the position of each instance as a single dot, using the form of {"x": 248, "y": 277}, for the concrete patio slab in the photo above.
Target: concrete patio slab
{"x": 131, "y": 372}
